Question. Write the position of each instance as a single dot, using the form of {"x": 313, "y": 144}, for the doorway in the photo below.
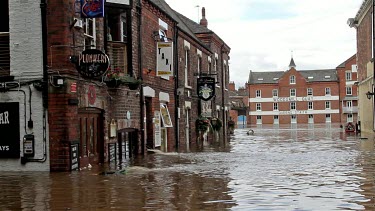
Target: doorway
{"x": 91, "y": 136}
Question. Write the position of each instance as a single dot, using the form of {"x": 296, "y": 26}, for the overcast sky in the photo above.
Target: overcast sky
{"x": 262, "y": 34}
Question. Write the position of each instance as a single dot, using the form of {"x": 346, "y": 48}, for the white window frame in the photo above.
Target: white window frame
{"x": 90, "y": 35}
{"x": 328, "y": 90}
{"x": 293, "y": 104}
{"x": 311, "y": 118}
{"x": 349, "y": 118}
{"x": 258, "y": 93}
{"x": 293, "y": 92}
{"x": 349, "y": 90}
{"x": 276, "y": 119}
{"x": 186, "y": 67}
{"x": 275, "y": 93}
{"x": 349, "y": 104}
{"x": 275, "y": 106}
{"x": 259, "y": 120}
{"x": 293, "y": 118}
{"x": 328, "y": 118}
{"x": 292, "y": 79}
{"x": 328, "y": 105}
{"x": 310, "y": 105}
{"x": 310, "y": 92}
{"x": 348, "y": 75}
{"x": 258, "y": 107}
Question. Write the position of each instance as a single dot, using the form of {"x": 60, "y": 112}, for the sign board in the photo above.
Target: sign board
{"x": 74, "y": 157}
{"x": 9, "y": 130}
{"x": 206, "y": 88}
{"x": 206, "y": 108}
{"x": 157, "y": 125}
{"x": 125, "y": 2}
{"x": 92, "y": 63}
{"x": 165, "y": 116}
{"x": 73, "y": 87}
{"x": 92, "y": 8}
{"x": 164, "y": 59}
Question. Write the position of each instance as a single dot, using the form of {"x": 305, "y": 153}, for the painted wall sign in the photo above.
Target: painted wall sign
{"x": 9, "y": 130}
{"x": 92, "y": 63}
{"x": 206, "y": 107}
{"x": 92, "y": 8}
{"x": 164, "y": 55}
{"x": 206, "y": 88}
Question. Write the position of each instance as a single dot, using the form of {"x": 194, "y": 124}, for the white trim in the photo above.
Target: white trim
{"x": 298, "y": 112}
{"x": 163, "y": 97}
{"x": 186, "y": 45}
{"x": 163, "y": 25}
{"x": 199, "y": 53}
{"x": 289, "y": 99}
{"x": 148, "y": 91}
{"x": 209, "y": 59}
{"x": 187, "y": 104}
{"x": 216, "y": 56}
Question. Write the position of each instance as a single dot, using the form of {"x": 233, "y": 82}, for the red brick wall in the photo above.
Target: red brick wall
{"x": 364, "y": 49}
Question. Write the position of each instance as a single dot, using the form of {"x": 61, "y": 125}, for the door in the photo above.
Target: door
{"x": 311, "y": 119}
{"x": 276, "y": 119}
{"x": 91, "y": 137}
{"x": 293, "y": 119}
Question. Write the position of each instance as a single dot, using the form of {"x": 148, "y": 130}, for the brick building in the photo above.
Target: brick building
{"x": 293, "y": 96}
{"x": 95, "y": 87}
{"x": 363, "y": 22}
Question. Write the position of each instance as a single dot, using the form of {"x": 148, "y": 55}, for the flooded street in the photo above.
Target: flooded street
{"x": 302, "y": 168}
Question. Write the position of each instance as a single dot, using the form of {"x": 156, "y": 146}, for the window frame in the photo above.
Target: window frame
{"x": 310, "y": 105}
{"x": 89, "y": 35}
{"x": 258, "y": 93}
{"x": 258, "y": 107}
{"x": 293, "y": 104}
{"x": 312, "y": 92}
{"x": 275, "y": 106}
{"x": 328, "y": 105}
{"x": 275, "y": 91}
{"x": 292, "y": 79}
{"x": 294, "y": 91}
{"x": 349, "y": 90}
{"x": 328, "y": 91}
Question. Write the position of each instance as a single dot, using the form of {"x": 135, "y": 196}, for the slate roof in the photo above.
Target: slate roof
{"x": 342, "y": 65}
{"x": 181, "y": 24}
{"x": 309, "y": 75}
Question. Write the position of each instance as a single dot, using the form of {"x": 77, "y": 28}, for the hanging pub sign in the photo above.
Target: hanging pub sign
{"x": 92, "y": 8}
{"x": 9, "y": 130}
{"x": 206, "y": 88}
{"x": 164, "y": 59}
{"x": 92, "y": 63}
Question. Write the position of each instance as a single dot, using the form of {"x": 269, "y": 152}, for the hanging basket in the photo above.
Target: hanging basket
{"x": 113, "y": 83}
{"x": 202, "y": 124}
{"x": 216, "y": 124}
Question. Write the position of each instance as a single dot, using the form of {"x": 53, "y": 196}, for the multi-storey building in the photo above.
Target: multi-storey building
{"x": 81, "y": 86}
{"x": 291, "y": 97}
{"x": 363, "y": 22}
{"x": 347, "y": 75}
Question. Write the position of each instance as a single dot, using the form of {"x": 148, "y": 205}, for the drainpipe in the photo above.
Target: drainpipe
{"x": 177, "y": 99}
{"x": 140, "y": 66}
{"x": 223, "y": 93}
{"x": 43, "y": 8}
{"x": 373, "y": 64}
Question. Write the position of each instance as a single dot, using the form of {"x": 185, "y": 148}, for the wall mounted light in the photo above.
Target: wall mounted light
{"x": 369, "y": 95}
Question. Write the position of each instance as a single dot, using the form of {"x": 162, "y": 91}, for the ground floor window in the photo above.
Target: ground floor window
{"x": 328, "y": 117}
{"x": 259, "y": 119}
{"x": 349, "y": 118}
{"x": 311, "y": 118}
{"x": 276, "y": 119}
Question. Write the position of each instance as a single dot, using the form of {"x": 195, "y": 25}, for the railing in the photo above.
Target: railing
{"x": 350, "y": 110}
{"x": 4, "y": 54}
{"x": 118, "y": 56}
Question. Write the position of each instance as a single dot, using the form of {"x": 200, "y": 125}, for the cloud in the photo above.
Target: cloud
{"x": 263, "y": 34}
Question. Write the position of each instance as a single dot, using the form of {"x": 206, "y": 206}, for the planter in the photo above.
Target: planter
{"x": 113, "y": 83}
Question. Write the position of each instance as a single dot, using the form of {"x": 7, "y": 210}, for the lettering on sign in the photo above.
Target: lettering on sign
{"x": 4, "y": 118}
{"x": 293, "y": 112}
{"x": 4, "y": 148}
{"x": 291, "y": 99}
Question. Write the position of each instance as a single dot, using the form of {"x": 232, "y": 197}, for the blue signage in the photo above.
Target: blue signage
{"x": 92, "y": 8}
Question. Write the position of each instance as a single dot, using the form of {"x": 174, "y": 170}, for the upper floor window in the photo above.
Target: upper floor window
{"x": 199, "y": 64}
{"x": 328, "y": 91}
{"x": 309, "y": 92}
{"x": 349, "y": 104}
{"x": 187, "y": 65}
{"x": 89, "y": 31}
{"x": 275, "y": 106}
{"x": 328, "y": 105}
{"x": 275, "y": 93}
{"x": 292, "y": 92}
{"x": 258, "y": 93}
{"x": 258, "y": 107}
{"x": 348, "y": 75}
{"x": 118, "y": 27}
{"x": 292, "y": 79}
{"x": 293, "y": 106}
{"x": 310, "y": 105}
{"x": 349, "y": 90}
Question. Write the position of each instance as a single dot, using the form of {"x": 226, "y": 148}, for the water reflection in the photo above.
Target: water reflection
{"x": 308, "y": 167}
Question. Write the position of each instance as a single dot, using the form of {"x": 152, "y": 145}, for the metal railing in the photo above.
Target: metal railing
{"x": 4, "y": 54}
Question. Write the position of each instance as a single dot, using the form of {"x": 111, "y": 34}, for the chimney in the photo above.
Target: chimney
{"x": 203, "y": 21}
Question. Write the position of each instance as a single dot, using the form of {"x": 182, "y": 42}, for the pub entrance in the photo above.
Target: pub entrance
{"x": 91, "y": 136}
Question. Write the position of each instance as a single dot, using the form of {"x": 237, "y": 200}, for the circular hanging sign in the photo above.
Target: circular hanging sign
{"x": 92, "y": 63}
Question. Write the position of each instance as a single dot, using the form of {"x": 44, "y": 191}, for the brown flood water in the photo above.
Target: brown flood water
{"x": 302, "y": 168}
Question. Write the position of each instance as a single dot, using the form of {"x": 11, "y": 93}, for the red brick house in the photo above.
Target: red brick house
{"x": 293, "y": 96}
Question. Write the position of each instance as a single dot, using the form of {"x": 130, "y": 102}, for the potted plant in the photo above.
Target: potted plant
{"x": 132, "y": 82}
{"x": 202, "y": 124}
{"x": 113, "y": 77}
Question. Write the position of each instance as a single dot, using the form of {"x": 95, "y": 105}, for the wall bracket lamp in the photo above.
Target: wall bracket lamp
{"x": 369, "y": 95}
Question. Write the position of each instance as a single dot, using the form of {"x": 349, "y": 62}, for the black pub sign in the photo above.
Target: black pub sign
{"x": 9, "y": 130}
{"x": 92, "y": 63}
{"x": 206, "y": 88}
